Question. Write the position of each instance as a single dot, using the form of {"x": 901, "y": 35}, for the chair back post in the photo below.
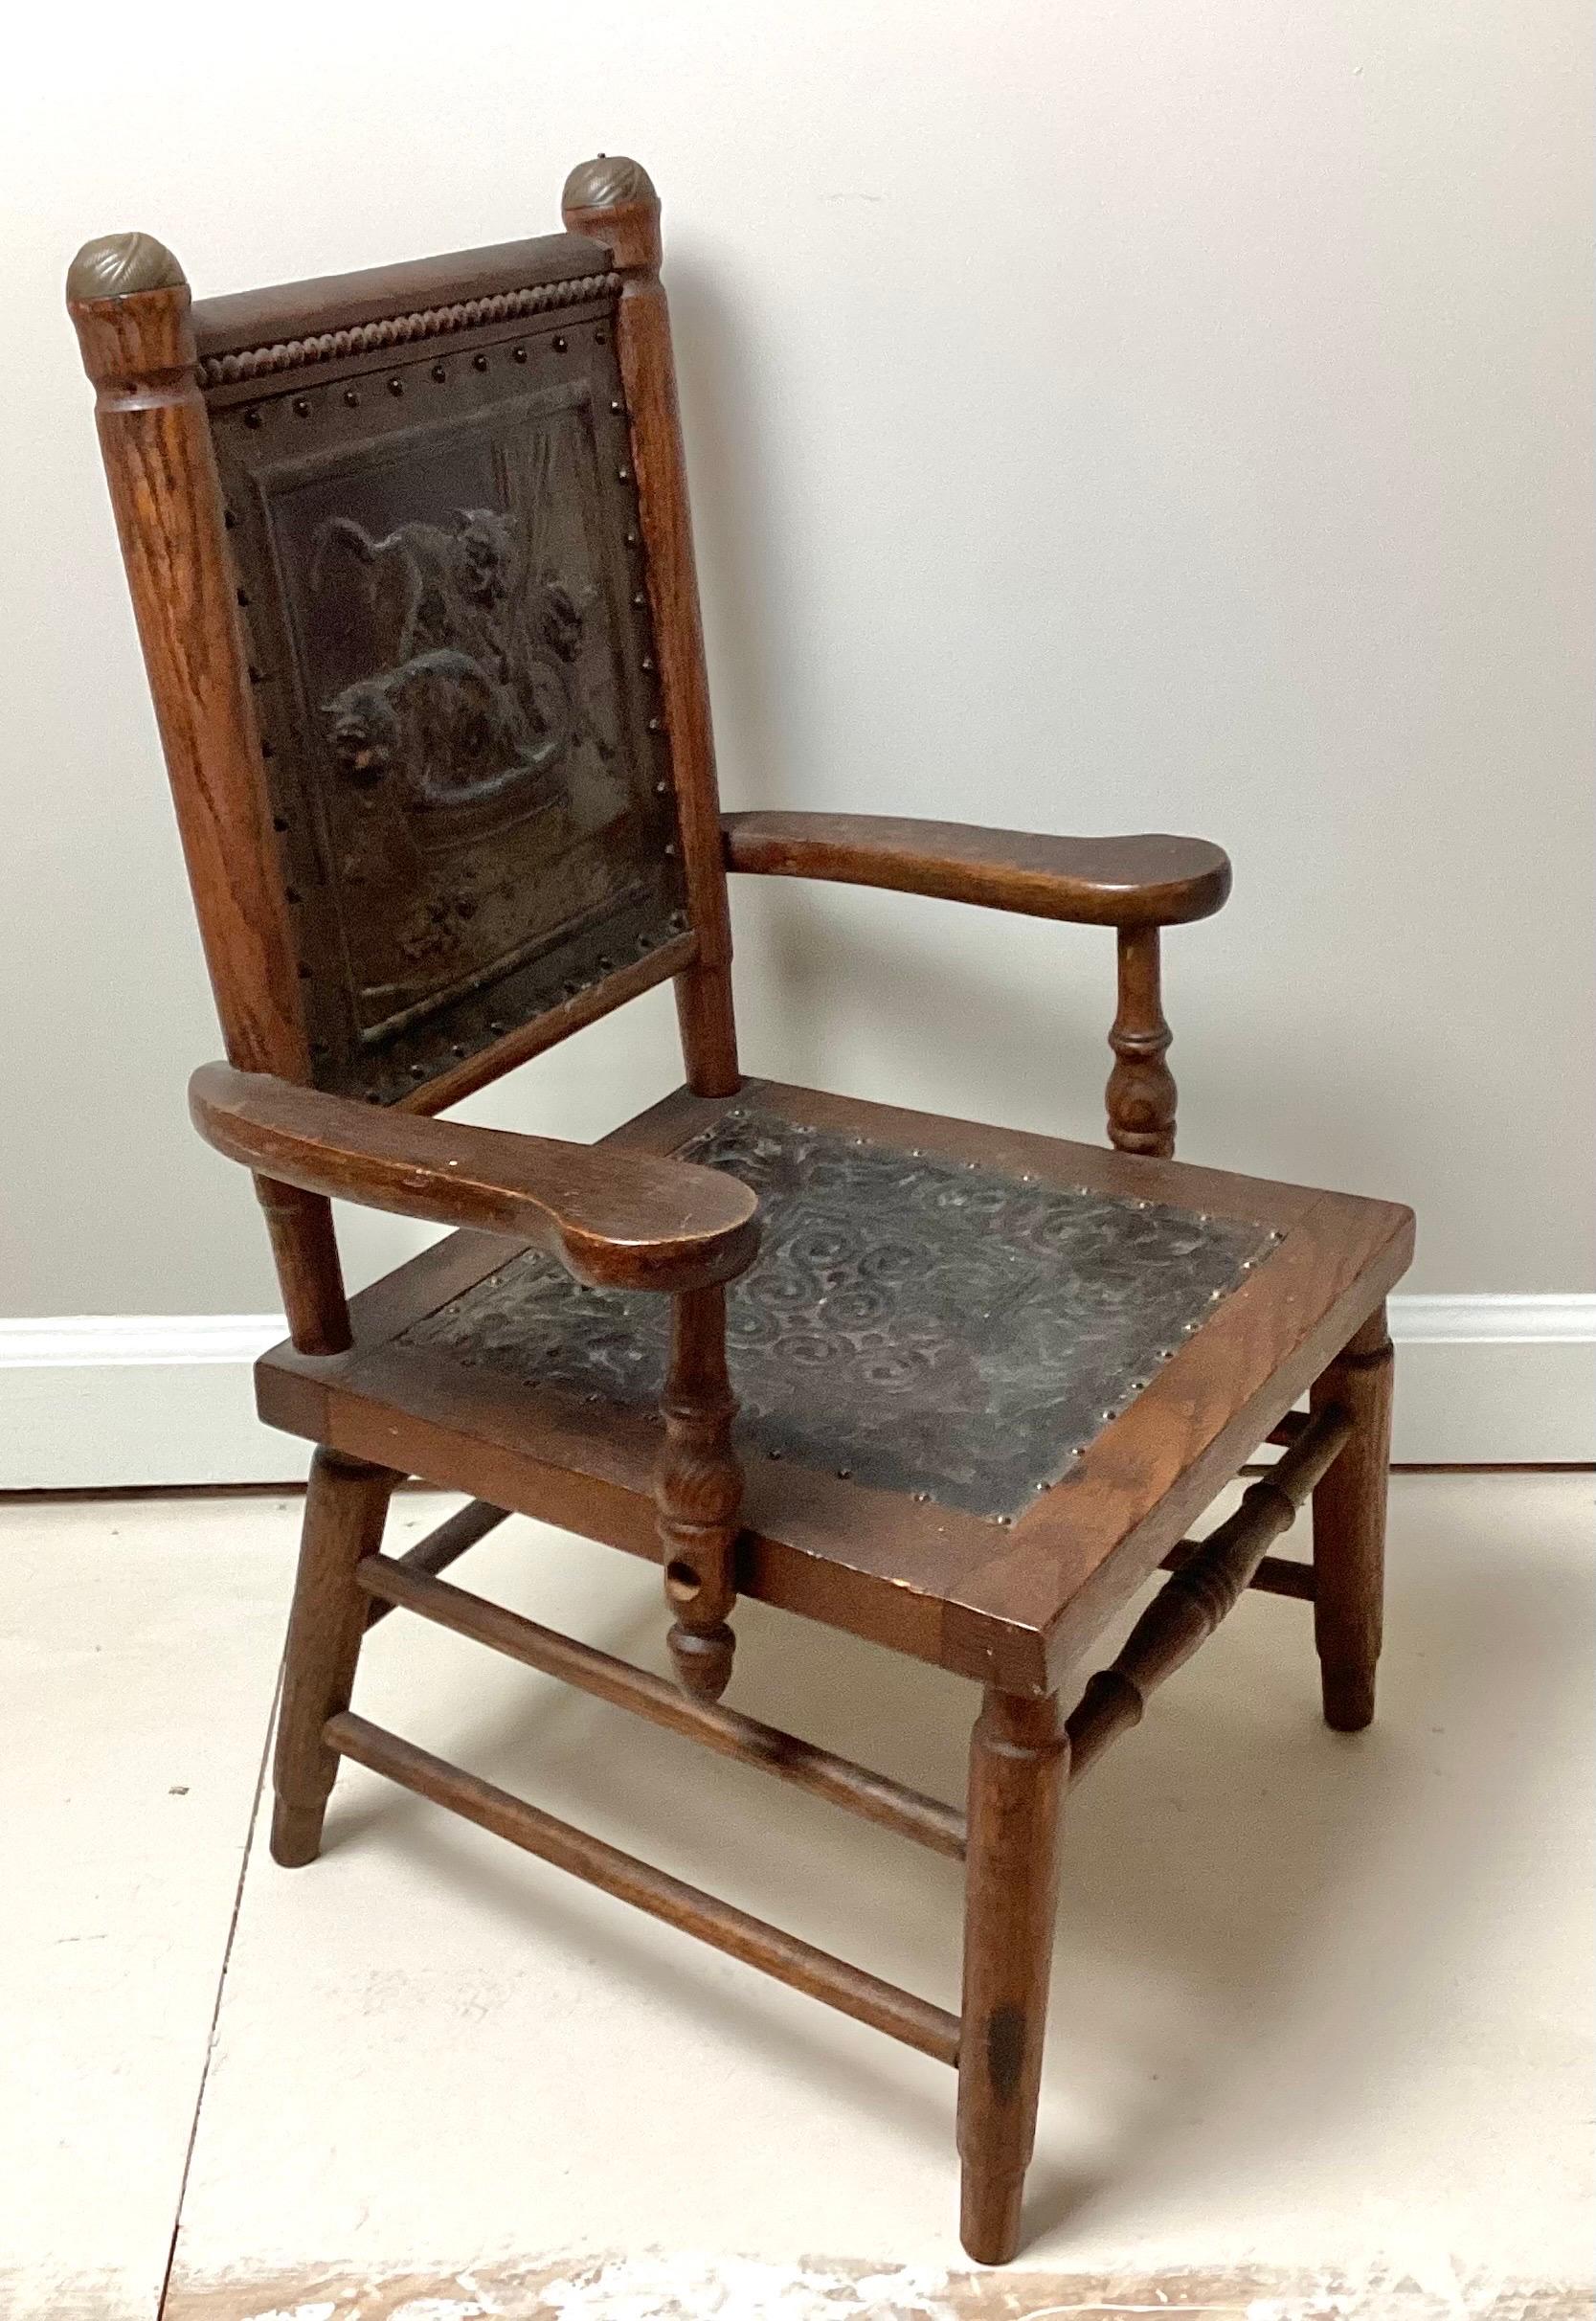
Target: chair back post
{"x": 613, "y": 201}
{"x": 130, "y": 303}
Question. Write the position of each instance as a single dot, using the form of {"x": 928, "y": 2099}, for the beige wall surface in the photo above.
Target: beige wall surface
{"x": 1162, "y": 415}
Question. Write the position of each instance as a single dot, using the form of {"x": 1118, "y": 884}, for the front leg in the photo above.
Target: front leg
{"x": 1019, "y": 1759}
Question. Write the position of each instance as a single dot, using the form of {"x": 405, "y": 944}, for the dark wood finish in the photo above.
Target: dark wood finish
{"x": 411, "y": 560}
{"x": 698, "y": 1489}
{"x": 453, "y": 1537}
{"x": 798, "y": 1964}
{"x": 1349, "y": 1526}
{"x": 1019, "y": 1763}
{"x": 1019, "y": 1602}
{"x": 1275, "y": 1575}
{"x": 1206, "y": 1586}
{"x": 1148, "y": 881}
{"x": 305, "y": 1249}
{"x": 259, "y": 334}
{"x": 345, "y": 1510}
{"x": 405, "y": 1579}
{"x": 610, "y": 1219}
{"x": 1141, "y": 1086}
{"x": 613, "y": 201}
{"x": 130, "y": 303}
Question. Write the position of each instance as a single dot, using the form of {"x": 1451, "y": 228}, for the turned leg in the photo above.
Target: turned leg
{"x": 1349, "y": 1527}
{"x": 1019, "y": 1759}
{"x": 697, "y": 1492}
{"x": 344, "y": 1512}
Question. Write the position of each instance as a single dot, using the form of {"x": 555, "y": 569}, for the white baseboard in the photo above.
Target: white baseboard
{"x": 130, "y": 1400}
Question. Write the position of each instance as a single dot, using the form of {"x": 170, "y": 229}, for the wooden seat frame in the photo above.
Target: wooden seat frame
{"x": 1012, "y": 1608}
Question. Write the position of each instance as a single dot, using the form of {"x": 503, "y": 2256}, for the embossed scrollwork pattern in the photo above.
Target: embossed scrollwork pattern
{"x": 921, "y": 1326}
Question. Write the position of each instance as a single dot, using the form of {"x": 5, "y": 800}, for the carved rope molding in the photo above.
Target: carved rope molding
{"x": 402, "y": 330}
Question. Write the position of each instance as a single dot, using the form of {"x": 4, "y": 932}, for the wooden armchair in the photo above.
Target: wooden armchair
{"x": 411, "y": 559}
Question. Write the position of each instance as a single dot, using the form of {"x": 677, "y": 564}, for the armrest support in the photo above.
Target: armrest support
{"x": 613, "y": 1218}
{"x": 1149, "y": 881}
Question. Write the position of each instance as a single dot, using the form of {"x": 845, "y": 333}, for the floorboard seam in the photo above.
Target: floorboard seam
{"x": 216, "y": 2010}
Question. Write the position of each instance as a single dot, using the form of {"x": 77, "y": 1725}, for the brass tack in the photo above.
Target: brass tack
{"x": 670, "y": 847}
{"x": 495, "y": 1026}
{"x": 844, "y": 1473}
{"x": 302, "y": 406}
{"x": 1214, "y": 1296}
{"x": 639, "y": 597}
{"x": 478, "y": 362}
{"x": 279, "y": 822}
{"x": 1003, "y": 1521}
{"x": 646, "y": 664}
{"x": 631, "y": 539}
{"x": 439, "y": 372}
{"x": 243, "y": 596}
{"x": 252, "y": 418}
{"x": 395, "y": 386}
{"x": 519, "y": 353}
{"x": 598, "y": 338}
{"x": 624, "y": 474}
{"x": 560, "y": 345}
{"x": 352, "y": 398}
{"x": 662, "y": 789}
{"x": 773, "y": 1453}
{"x": 655, "y": 725}
{"x": 922, "y": 1498}
{"x": 616, "y": 403}
{"x": 456, "y": 1047}
{"x": 230, "y": 519}
{"x": 417, "y": 1071}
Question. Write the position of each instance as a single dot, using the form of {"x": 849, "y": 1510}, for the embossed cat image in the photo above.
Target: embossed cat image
{"x": 439, "y": 723}
{"x": 427, "y": 586}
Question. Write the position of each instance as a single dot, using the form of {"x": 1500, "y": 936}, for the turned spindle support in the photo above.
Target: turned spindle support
{"x": 1206, "y": 1587}
{"x": 1141, "y": 1086}
{"x": 697, "y": 1490}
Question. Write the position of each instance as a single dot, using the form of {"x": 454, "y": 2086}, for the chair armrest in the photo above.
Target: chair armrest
{"x": 1149, "y": 881}
{"x": 613, "y": 1218}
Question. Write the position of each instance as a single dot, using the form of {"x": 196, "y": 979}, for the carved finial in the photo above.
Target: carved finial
{"x": 608, "y": 182}
{"x": 118, "y": 266}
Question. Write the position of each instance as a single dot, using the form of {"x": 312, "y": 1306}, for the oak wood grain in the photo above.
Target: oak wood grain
{"x": 617, "y": 1221}
{"x": 617, "y": 207}
{"x": 1147, "y": 881}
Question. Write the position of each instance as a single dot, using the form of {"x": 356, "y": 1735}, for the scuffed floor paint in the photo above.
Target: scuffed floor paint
{"x": 660, "y": 2288}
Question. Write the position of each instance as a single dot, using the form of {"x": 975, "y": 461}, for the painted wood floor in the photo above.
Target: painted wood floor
{"x": 1321, "y": 2015}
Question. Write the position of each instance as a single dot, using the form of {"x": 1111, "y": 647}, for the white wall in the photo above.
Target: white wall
{"x": 1164, "y": 415}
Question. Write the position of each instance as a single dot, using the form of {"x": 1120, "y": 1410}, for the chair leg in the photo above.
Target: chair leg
{"x": 1019, "y": 1756}
{"x": 1349, "y": 1527}
{"x": 343, "y": 1512}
